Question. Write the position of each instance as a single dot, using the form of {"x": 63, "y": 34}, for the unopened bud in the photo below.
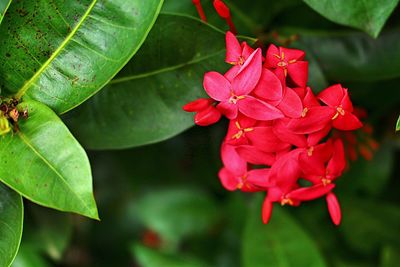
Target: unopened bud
{"x": 4, "y": 124}
{"x": 14, "y": 114}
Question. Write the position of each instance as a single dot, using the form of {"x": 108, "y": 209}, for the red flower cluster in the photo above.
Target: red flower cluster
{"x": 279, "y": 138}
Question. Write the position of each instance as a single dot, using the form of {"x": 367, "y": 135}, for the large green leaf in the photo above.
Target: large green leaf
{"x": 378, "y": 220}
{"x": 148, "y": 257}
{"x": 11, "y": 221}
{"x": 175, "y": 214}
{"x": 355, "y": 56}
{"x": 367, "y": 15}
{"x": 4, "y": 4}
{"x": 48, "y": 231}
{"x": 44, "y": 163}
{"x": 62, "y": 52}
{"x": 28, "y": 256}
{"x": 143, "y": 104}
{"x": 281, "y": 243}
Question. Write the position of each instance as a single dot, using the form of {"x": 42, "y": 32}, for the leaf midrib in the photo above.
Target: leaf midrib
{"x": 36, "y": 152}
{"x": 28, "y": 84}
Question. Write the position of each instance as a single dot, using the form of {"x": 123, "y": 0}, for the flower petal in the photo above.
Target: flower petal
{"x": 255, "y": 156}
{"x": 230, "y": 110}
{"x": 337, "y": 163}
{"x": 233, "y": 48}
{"x": 332, "y": 96}
{"x": 266, "y": 210}
{"x": 298, "y": 73}
{"x": 334, "y": 208}
{"x": 269, "y": 87}
{"x": 228, "y": 180}
{"x": 347, "y": 122}
{"x": 316, "y": 119}
{"x": 248, "y": 75}
{"x": 257, "y": 109}
{"x": 291, "y": 104}
{"x": 311, "y": 192}
{"x": 272, "y": 57}
{"x": 217, "y": 86}
{"x": 198, "y": 105}
{"x": 232, "y": 161}
{"x": 259, "y": 177}
{"x": 207, "y": 117}
{"x": 292, "y": 54}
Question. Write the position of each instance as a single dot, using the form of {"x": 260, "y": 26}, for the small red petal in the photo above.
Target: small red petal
{"x": 217, "y": 86}
{"x": 232, "y": 161}
{"x": 292, "y": 54}
{"x": 259, "y": 177}
{"x": 207, "y": 117}
{"x": 249, "y": 74}
{"x": 259, "y": 110}
{"x": 222, "y": 9}
{"x": 272, "y": 57}
{"x": 332, "y": 96}
{"x": 266, "y": 210}
{"x": 291, "y": 104}
{"x": 255, "y": 156}
{"x": 347, "y": 122}
{"x": 334, "y": 208}
{"x": 338, "y": 161}
{"x": 298, "y": 73}
{"x": 228, "y": 180}
{"x": 269, "y": 87}
{"x": 310, "y": 193}
{"x": 198, "y": 105}
{"x": 316, "y": 119}
{"x": 228, "y": 109}
{"x": 233, "y": 48}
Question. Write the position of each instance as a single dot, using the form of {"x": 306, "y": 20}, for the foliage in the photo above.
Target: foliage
{"x": 95, "y": 74}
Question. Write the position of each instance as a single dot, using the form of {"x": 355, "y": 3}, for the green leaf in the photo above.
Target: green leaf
{"x": 175, "y": 214}
{"x": 64, "y": 55}
{"x": 367, "y": 15}
{"x": 372, "y": 176}
{"x": 50, "y": 232}
{"x": 11, "y": 223}
{"x": 44, "y": 163}
{"x": 28, "y": 256}
{"x": 147, "y": 257}
{"x": 398, "y": 124}
{"x": 354, "y": 56}
{"x": 280, "y": 243}
{"x": 378, "y": 220}
{"x": 143, "y": 104}
{"x": 4, "y": 4}
{"x": 390, "y": 256}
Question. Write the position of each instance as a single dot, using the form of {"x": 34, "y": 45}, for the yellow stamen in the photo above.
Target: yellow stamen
{"x": 304, "y": 112}
{"x": 310, "y": 151}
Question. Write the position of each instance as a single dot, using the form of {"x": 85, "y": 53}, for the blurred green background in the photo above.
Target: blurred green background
{"x": 163, "y": 205}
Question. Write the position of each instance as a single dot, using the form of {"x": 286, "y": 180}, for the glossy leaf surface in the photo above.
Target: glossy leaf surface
{"x": 367, "y": 15}
{"x": 4, "y": 4}
{"x": 44, "y": 163}
{"x": 64, "y": 55}
{"x": 11, "y": 223}
{"x": 281, "y": 243}
{"x": 143, "y": 104}
{"x": 355, "y": 56}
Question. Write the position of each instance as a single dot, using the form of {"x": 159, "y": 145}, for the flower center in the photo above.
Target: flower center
{"x": 339, "y": 111}
{"x": 310, "y": 151}
{"x": 304, "y": 112}
{"x": 285, "y": 201}
{"x": 241, "y": 131}
{"x": 234, "y": 99}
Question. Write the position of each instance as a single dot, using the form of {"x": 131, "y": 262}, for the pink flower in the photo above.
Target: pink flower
{"x": 206, "y": 113}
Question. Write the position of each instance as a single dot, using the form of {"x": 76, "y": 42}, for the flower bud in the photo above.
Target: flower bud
{"x": 4, "y": 124}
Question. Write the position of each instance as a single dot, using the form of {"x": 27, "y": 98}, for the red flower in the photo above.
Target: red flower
{"x": 235, "y": 174}
{"x": 337, "y": 98}
{"x": 287, "y": 62}
{"x": 234, "y": 96}
{"x": 206, "y": 113}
